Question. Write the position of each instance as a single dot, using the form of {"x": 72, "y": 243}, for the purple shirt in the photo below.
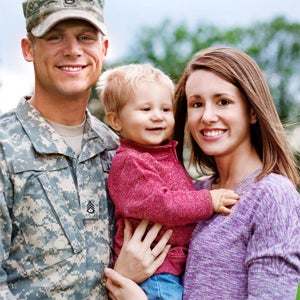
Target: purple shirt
{"x": 254, "y": 253}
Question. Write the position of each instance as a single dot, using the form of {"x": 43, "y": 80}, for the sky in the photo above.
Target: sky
{"x": 124, "y": 20}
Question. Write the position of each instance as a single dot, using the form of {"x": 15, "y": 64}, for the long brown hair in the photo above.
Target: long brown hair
{"x": 267, "y": 135}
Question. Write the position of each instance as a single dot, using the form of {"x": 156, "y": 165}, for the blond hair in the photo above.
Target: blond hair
{"x": 117, "y": 85}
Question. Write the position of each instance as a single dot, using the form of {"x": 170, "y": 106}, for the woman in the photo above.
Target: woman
{"x": 237, "y": 139}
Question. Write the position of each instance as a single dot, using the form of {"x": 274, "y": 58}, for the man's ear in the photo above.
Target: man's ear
{"x": 114, "y": 121}
{"x": 27, "y": 49}
{"x": 105, "y": 44}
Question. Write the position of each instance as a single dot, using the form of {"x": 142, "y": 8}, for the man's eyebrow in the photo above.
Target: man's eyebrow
{"x": 54, "y": 30}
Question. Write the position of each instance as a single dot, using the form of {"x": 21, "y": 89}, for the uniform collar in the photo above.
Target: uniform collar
{"x": 46, "y": 140}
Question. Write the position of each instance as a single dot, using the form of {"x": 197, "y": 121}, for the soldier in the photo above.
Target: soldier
{"x": 55, "y": 220}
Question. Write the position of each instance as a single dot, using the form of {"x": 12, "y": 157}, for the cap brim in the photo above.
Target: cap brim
{"x": 59, "y": 16}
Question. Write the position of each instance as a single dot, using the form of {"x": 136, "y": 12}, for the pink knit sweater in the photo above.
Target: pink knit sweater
{"x": 148, "y": 182}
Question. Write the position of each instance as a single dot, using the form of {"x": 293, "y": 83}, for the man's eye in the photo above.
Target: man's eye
{"x": 85, "y": 38}
{"x": 54, "y": 37}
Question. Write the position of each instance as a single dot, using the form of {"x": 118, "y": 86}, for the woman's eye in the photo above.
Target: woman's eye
{"x": 224, "y": 102}
{"x": 197, "y": 104}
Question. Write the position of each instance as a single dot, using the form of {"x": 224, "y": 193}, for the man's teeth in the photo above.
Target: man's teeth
{"x": 72, "y": 69}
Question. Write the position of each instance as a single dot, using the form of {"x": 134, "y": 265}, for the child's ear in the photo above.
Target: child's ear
{"x": 114, "y": 121}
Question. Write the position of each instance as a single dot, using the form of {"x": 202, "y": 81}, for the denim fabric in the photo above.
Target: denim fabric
{"x": 163, "y": 287}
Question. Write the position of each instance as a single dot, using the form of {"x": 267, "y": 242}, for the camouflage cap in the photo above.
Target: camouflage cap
{"x": 42, "y": 15}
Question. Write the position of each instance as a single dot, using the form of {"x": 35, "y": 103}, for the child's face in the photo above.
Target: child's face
{"x": 148, "y": 118}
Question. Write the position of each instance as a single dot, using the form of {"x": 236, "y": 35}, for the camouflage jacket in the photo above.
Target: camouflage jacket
{"x": 55, "y": 216}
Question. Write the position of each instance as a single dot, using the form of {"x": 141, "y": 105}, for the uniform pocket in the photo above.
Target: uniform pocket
{"x": 46, "y": 231}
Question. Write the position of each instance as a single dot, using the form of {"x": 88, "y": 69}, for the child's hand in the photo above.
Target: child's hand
{"x": 222, "y": 198}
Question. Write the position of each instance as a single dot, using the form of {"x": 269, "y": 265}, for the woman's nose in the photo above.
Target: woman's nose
{"x": 209, "y": 114}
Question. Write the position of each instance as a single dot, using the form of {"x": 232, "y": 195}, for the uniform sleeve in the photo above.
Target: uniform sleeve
{"x": 5, "y": 230}
{"x": 273, "y": 257}
{"x": 139, "y": 191}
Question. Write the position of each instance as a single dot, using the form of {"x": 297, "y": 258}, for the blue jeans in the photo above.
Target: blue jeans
{"x": 163, "y": 287}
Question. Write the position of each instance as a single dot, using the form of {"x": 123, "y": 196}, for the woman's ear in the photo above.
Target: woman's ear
{"x": 253, "y": 117}
{"x": 27, "y": 50}
{"x": 114, "y": 121}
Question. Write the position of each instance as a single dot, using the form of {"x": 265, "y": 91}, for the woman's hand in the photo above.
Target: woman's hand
{"x": 122, "y": 288}
{"x": 137, "y": 260}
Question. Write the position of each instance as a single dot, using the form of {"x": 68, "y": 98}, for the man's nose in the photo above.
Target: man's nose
{"x": 72, "y": 47}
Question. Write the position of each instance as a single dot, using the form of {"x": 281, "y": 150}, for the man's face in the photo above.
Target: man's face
{"x": 68, "y": 59}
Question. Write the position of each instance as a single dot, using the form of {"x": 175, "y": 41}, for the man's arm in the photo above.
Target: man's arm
{"x": 5, "y": 239}
{"x": 5, "y": 224}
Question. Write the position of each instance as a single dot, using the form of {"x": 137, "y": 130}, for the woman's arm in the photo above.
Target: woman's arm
{"x": 137, "y": 260}
{"x": 273, "y": 254}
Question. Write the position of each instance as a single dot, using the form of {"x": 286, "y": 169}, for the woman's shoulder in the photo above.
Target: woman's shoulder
{"x": 277, "y": 204}
{"x": 203, "y": 182}
{"x": 275, "y": 190}
{"x": 275, "y": 182}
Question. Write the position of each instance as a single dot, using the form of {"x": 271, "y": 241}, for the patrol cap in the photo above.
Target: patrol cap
{"x": 42, "y": 15}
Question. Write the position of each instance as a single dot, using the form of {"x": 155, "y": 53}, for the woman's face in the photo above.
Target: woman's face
{"x": 218, "y": 117}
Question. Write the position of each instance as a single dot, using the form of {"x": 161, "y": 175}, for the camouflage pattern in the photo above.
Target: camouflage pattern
{"x": 37, "y": 11}
{"x": 56, "y": 221}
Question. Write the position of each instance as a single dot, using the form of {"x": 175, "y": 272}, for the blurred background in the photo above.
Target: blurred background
{"x": 166, "y": 33}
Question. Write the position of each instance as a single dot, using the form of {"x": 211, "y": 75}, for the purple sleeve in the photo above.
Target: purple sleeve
{"x": 273, "y": 253}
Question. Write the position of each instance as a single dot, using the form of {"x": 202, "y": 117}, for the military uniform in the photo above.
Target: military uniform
{"x": 55, "y": 216}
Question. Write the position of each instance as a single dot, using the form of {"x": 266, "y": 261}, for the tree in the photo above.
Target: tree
{"x": 274, "y": 45}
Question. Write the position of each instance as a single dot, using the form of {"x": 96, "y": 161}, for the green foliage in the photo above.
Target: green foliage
{"x": 275, "y": 45}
